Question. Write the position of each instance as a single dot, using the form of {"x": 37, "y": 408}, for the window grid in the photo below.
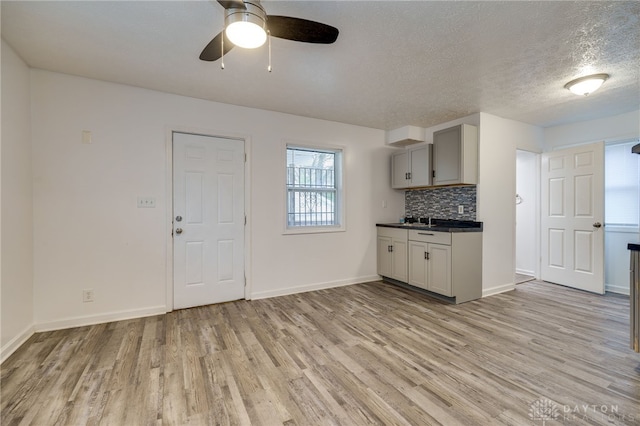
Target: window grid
{"x": 312, "y": 190}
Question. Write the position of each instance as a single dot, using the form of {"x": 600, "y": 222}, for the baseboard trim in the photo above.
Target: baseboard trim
{"x": 312, "y": 287}
{"x": 498, "y": 289}
{"x": 525, "y": 272}
{"x": 617, "y": 289}
{"x": 100, "y": 318}
{"x": 7, "y": 350}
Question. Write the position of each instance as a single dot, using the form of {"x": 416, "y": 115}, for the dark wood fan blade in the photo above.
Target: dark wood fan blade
{"x": 213, "y": 50}
{"x": 298, "y": 29}
{"x": 232, "y": 4}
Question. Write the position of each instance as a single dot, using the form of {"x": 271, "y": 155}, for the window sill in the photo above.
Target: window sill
{"x": 313, "y": 230}
{"x": 622, "y": 229}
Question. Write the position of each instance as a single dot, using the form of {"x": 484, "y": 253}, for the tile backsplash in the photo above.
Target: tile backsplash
{"x": 441, "y": 203}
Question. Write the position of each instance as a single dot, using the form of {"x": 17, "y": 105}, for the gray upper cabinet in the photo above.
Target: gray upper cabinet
{"x": 455, "y": 155}
{"x": 411, "y": 168}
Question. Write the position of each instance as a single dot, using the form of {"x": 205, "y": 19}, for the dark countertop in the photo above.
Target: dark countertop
{"x": 634, "y": 246}
{"x": 439, "y": 225}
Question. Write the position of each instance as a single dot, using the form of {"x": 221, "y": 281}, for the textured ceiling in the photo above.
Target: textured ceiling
{"x": 395, "y": 63}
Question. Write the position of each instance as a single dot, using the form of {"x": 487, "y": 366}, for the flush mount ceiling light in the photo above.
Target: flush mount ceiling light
{"x": 586, "y": 85}
{"x": 246, "y": 27}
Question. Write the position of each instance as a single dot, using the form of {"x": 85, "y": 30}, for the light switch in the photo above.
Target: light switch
{"x": 146, "y": 202}
{"x": 86, "y": 136}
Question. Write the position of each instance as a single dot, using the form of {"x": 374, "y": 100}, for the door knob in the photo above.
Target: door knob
{"x": 178, "y": 231}
{"x": 597, "y": 225}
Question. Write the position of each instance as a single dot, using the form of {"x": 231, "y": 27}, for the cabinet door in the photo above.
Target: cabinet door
{"x": 418, "y": 264}
{"x": 420, "y": 166}
{"x": 399, "y": 260}
{"x": 439, "y": 269}
{"x": 447, "y": 156}
{"x": 399, "y": 170}
{"x": 384, "y": 256}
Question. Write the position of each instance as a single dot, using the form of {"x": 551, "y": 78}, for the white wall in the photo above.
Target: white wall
{"x": 527, "y": 212}
{"x": 16, "y": 287}
{"x": 89, "y": 233}
{"x": 499, "y": 139}
{"x": 617, "y": 127}
{"x": 617, "y": 258}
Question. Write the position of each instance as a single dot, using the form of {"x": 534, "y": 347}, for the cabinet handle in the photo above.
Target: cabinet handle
{"x": 424, "y": 233}
{"x": 409, "y": 175}
{"x": 391, "y": 249}
{"x": 433, "y": 173}
{"x": 426, "y": 255}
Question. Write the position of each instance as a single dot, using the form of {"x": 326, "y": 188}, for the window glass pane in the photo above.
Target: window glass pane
{"x": 312, "y": 189}
{"x": 622, "y": 185}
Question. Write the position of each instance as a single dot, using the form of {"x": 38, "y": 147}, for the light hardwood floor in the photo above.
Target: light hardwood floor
{"x": 521, "y": 278}
{"x": 363, "y": 354}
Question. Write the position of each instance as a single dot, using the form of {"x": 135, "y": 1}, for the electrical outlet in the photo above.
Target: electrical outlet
{"x": 87, "y": 295}
{"x": 146, "y": 202}
{"x": 460, "y": 209}
{"x": 86, "y": 136}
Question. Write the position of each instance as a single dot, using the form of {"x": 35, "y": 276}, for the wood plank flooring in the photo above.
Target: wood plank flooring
{"x": 522, "y": 278}
{"x": 358, "y": 355}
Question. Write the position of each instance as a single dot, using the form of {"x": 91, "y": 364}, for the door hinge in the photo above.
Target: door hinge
{"x": 245, "y": 220}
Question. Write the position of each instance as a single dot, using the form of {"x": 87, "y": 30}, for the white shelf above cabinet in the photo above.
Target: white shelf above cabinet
{"x": 407, "y": 135}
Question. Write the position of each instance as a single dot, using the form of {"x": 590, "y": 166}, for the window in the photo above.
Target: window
{"x": 314, "y": 189}
{"x": 622, "y": 185}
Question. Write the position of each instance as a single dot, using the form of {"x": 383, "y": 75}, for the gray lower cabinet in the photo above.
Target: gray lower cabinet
{"x": 430, "y": 266}
{"x": 392, "y": 253}
{"x": 445, "y": 263}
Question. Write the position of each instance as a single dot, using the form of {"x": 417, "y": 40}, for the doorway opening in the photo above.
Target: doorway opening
{"x": 527, "y": 216}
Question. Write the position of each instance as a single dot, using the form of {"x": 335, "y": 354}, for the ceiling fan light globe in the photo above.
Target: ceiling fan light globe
{"x": 246, "y": 34}
{"x": 246, "y": 27}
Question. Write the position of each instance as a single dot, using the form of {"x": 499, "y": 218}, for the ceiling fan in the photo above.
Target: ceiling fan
{"x": 247, "y": 25}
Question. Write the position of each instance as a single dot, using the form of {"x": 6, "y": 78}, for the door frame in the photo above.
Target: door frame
{"x": 537, "y": 214}
{"x": 170, "y": 130}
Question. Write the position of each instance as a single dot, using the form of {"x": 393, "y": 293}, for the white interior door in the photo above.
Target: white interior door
{"x": 572, "y": 217}
{"x": 208, "y": 220}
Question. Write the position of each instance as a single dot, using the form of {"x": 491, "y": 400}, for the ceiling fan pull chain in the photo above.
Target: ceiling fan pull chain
{"x": 269, "y": 38}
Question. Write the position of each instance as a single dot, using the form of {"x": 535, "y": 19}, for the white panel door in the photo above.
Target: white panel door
{"x": 208, "y": 220}
{"x": 573, "y": 216}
